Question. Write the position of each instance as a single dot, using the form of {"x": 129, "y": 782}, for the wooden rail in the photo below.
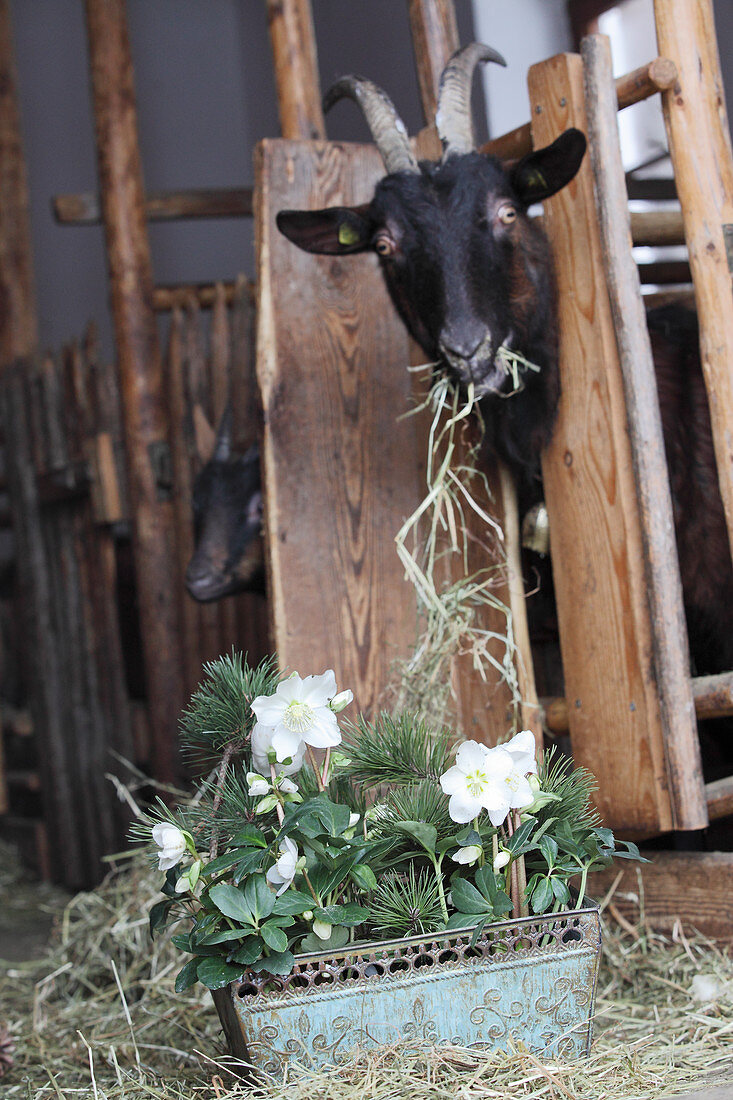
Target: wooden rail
{"x": 632, "y": 88}
{"x": 225, "y": 202}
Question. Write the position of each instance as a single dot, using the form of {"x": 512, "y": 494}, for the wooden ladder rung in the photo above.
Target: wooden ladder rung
{"x": 225, "y": 202}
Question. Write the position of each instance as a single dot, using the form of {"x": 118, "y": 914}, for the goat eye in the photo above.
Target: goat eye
{"x": 507, "y": 213}
{"x": 384, "y": 246}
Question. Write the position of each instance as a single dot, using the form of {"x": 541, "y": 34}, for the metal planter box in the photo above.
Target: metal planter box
{"x": 529, "y": 981}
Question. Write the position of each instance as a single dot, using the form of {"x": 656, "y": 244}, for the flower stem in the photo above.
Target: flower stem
{"x": 279, "y": 806}
{"x": 326, "y": 767}
{"x": 521, "y": 876}
{"x": 314, "y": 764}
{"x": 313, "y": 894}
{"x": 441, "y": 891}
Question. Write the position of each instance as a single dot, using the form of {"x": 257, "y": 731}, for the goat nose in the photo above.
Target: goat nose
{"x": 461, "y": 346}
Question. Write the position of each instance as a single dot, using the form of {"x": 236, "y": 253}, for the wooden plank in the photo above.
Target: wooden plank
{"x": 605, "y": 633}
{"x": 719, "y": 795}
{"x": 434, "y": 39}
{"x": 670, "y": 649}
{"x": 331, "y": 363}
{"x": 18, "y": 324}
{"x": 223, "y": 202}
{"x": 700, "y": 148}
{"x": 692, "y": 888}
{"x": 140, "y": 371}
{"x": 296, "y": 68}
{"x": 631, "y": 88}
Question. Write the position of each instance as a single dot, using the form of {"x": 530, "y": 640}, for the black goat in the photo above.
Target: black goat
{"x": 227, "y": 513}
{"x": 467, "y": 269}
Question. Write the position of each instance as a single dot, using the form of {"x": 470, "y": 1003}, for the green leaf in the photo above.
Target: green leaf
{"x": 363, "y": 877}
{"x": 631, "y": 853}
{"x": 339, "y": 938}
{"x": 349, "y": 915}
{"x": 279, "y": 962}
{"x": 259, "y": 897}
{"x": 250, "y": 863}
{"x": 248, "y": 836}
{"x": 231, "y": 902}
{"x": 333, "y": 816}
{"x": 223, "y": 936}
{"x": 269, "y": 802}
{"x": 461, "y": 920}
{"x": 273, "y": 936}
{"x": 549, "y": 849}
{"x": 249, "y": 952}
{"x": 541, "y": 896}
{"x": 215, "y": 973}
{"x": 182, "y": 941}
{"x": 560, "y": 890}
{"x": 293, "y": 902}
{"x": 518, "y": 842}
{"x": 159, "y": 916}
{"x": 188, "y": 976}
{"x": 425, "y": 835}
{"x": 467, "y": 898}
{"x": 222, "y": 862}
{"x": 489, "y": 883}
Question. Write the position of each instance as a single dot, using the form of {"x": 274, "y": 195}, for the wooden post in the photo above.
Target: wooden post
{"x": 18, "y": 325}
{"x": 140, "y": 371}
{"x": 434, "y": 39}
{"x": 605, "y": 630}
{"x": 670, "y": 649}
{"x": 699, "y": 144}
{"x": 296, "y": 68}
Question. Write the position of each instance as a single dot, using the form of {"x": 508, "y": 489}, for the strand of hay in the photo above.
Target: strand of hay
{"x": 433, "y": 546}
{"x": 97, "y": 1017}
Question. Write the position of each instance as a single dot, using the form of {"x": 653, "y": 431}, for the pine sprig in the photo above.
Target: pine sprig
{"x": 574, "y": 786}
{"x": 395, "y": 750}
{"x": 219, "y": 714}
{"x": 406, "y": 905}
{"x": 423, "y": 801}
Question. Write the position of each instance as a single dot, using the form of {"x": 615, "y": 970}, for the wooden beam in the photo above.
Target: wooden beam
{"x": 631, "y": 88}
{"x": 605, "y": 632}
{"x": 140, "y": 370}
{"x": 18, "y": 322}
{"x": 700, "y": 148}
{"x": 719, "y": 796}
{"x": 296, "y": 68}
{"x": 167, "y": 298}
{"x": 692, "y": 888}
{"x": 224, "y": 202}
{"x": 434, "y": 39}
{"x": 670, "y": 649}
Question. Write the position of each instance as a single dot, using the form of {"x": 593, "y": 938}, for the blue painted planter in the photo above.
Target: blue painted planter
{"x": 529, "y": 981}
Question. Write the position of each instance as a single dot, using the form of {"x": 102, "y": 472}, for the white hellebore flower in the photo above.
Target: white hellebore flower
{"x": 262, "y": 743}
{"x": 299, "y": 712}
{"x": 342, "y": 700}
{"x": 287, "y": 786}
{"x": 522, "y": 749}
{"x": 484, "y": 779}
{"x": 172, "y": 844}
{"x": 501, "y": 859}
{"x": 283, "y": 872}
{"x": 258, "y": 785}
{"x": 469, "y": 854}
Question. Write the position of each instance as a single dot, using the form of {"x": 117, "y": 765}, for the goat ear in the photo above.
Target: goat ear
{"x": 336, "y": 231}
{"x": 545, "y": 171}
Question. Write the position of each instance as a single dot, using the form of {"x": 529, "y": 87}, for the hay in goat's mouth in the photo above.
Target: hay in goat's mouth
{"x": 97, "y": 1019}
{"x": 454, "y": 600}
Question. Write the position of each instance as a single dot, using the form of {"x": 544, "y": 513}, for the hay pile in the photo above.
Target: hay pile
{"x": 97, "y": 1018}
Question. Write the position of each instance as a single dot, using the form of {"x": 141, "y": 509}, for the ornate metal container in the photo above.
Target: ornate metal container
{"x": 529, "y": 981}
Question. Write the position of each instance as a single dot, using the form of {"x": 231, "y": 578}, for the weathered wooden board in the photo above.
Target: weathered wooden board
{"x": 341, "y": 470}
{"x": 692, "y": 888}
{"x": 605, "y": 631}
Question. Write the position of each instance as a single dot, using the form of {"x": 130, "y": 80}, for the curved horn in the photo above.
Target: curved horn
{"x": 387, "y": 128}
{"x": 453, "y": 113}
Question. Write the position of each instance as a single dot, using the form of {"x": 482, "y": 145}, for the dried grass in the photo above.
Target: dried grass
{"x": 97, "y": 1018}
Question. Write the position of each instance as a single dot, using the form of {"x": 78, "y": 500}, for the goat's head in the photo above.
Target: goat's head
{"x": 465, "y": 267}
{"x": 227, "y": 510}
